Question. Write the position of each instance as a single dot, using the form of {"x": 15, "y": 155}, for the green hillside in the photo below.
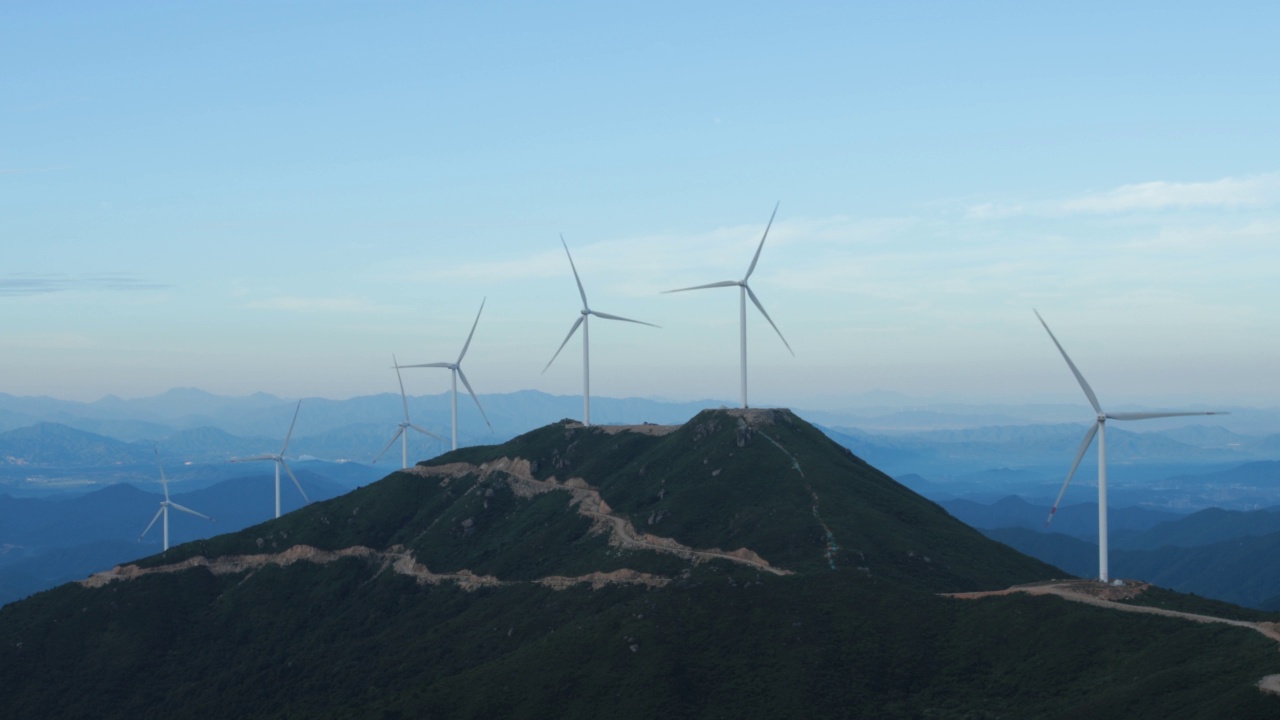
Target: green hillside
{"x": 741, "y": 565}
{"x": 774, "y": 485}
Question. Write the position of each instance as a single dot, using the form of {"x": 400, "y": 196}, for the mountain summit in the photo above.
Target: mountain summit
{"x": 739, "y": 565}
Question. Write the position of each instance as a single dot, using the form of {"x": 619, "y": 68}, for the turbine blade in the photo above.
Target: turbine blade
{"x": 435, "y": 364}
{"x": 403, "y": 398}
{"x": 153, "y": 522}
{"x": 290, "y": 433}
{"x": 576, "y": 279}
{"x": 1084, "y": 446}
{"x": 164, "y": 482}
{"x": 427, "y": 432}
{"x": 294, "y": 478}
{"x": 756, "y": 259}
{"x": 189, "y": 510}
{"x": 1088, "y": 391}
{"x": 394, "y": 438}
{"x": 1150, "y": 415}
{"x": 572, "y": 330}
{"x": 467, "y": 344}
{"x": 253, "y": 458}
{"x": 760, "y": 307}
{"x": 462, "y": 376}
{"x": 724, "y": 283}
{"x": 607, "y": 316}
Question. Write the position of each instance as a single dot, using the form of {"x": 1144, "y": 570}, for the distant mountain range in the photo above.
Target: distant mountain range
{"x": 1224, "y": 554}
{"x": 48, "y": 541}
{"x": 1179, "y": 467}
{"x": 86, "y": 447}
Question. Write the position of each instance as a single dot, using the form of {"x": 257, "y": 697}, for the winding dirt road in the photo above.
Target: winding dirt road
{"x": 1095, "y": 593}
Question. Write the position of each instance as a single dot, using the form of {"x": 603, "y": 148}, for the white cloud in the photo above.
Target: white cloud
{"x": 1230, "y": 193}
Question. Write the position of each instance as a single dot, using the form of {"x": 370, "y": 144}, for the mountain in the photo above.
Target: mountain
{"x": 1214, "y": 552}
{"x": 740, "y": 565}
{"x": 1132, "y": 528}
{"x": 1206, "y": 527}
{"x": 1079, "y": 520}
{"x": 52, "y": 541}
{"x": 55, "y": 444}
{"x": 963, "y": 451}
{"x": 26, "y": 574}
{"x": 209, "y": 444}
{"x": 1241, "y": 570}
{"x": 1076, "y": 556}
{"x": 1260, "y": 474}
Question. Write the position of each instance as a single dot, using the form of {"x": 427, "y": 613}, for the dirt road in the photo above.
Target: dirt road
{"x": 1095, "y": 593}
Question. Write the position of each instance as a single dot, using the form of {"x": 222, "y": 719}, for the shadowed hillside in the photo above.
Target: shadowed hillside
{"x": 740, "y": 565}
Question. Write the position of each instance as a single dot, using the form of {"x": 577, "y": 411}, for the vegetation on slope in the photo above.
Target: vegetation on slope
{"x": 856, "y": 629}
{"x": 345, "y": 640}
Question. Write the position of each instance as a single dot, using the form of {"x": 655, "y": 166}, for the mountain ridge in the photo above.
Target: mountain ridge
{"x": 573, "y": 572}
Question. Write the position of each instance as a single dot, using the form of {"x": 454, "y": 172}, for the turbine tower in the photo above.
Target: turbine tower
{"x": 744, "y": 291}
{"x": 279, "y": 461}
{"x": 164, "y": 507}
{"x": 405, "y": 427}
{"x": 584, "y": 321}
{"x": 456, "y": 368}
{"x": 1099, "y": 428}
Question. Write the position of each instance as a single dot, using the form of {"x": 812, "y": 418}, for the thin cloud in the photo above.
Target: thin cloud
{"x": 1229, "y": 193}
{"x": 22, "y": 284}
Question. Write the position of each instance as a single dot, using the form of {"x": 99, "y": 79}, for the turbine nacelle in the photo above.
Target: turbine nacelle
{"x": 165, "y": 505}
{"x": 280, "y": 462}
{"x": 1099, "y": 428}
{"x": 584, "y": 316}
{"x": 456, "y": 369}
{"x": 745, "y": 292}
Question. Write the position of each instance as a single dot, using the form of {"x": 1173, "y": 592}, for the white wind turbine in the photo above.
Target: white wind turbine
{"x": 165, "y": 505}
{"x": 279, "y": 461}
{"x": 405, "y": 427}
{"x": 744, "y": 293}
{"x": 1099, "y": 428}
{"x": 456, "y": 368}
{"x": 584, "y": 321}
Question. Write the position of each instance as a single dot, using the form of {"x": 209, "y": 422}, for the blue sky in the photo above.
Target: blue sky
{"x": 278, "y": 196}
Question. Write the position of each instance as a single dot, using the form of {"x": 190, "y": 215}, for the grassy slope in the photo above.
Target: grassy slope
{"x": 709, "y": 484}
{"x": 342, "y": 640}
{"x": 867, "y": 639}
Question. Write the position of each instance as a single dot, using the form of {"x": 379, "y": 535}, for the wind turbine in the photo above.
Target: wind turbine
{"x": 456, "y": 368}
{"x": 1099, "y": 428}
{"x": 745, "y": 292}
{"x": 279, "y": 460}
{"x": 165, "y": 505}
{"x": 405, "y": 427}
{"x": 583, "y": 320}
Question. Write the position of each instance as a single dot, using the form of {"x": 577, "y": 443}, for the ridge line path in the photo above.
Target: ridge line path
{"x": 519, "y": 476}
{"x": 1077, "y": 591}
